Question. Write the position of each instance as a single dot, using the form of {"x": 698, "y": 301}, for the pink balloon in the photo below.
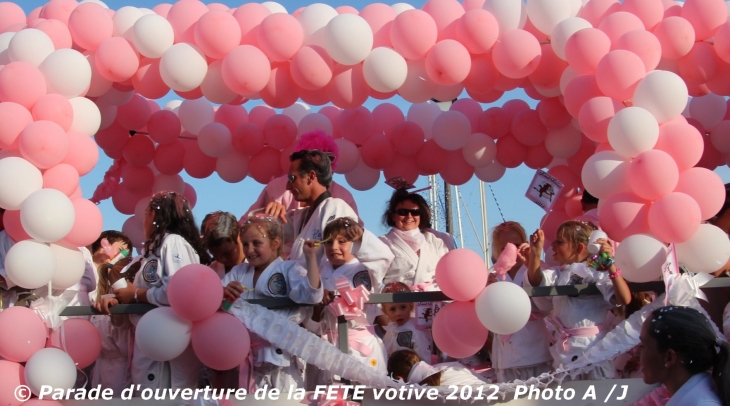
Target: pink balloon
{"x": 450, "y": 331}
{"x": 311, "y": 67}
{"x": 495, "y": 122}
{"x": 280, "y": 131}
{"x": 148, "y": 81}
{"x": 29, "y": 333}
{"x": 667, "y": 225}
{"x": 138, "y": 179}
{"x": 183, "y": 16}
{"x": 682, "y": 141}
{"x": 377, "y": 152}
{"x": 528, "y": 129}
{"x": 446, "y": 14}
{"x": 413, "y": 33}
{"x": 280, "y": 36}
{"x": 552, "y": 221}
{"x": 134, "y": 114}
{"x": 596, "y": 10}
{"x": 458, "y": 171}
{"x": 231, "y": 116}
{"x": 711, "y": 157}
{"x": 700, "y": 65}
{"x": 586, "y": 150}
{"x": 248, "y": 139}
{"x": 62, "y": 177}
{"x": 538, "y": 157}
{"x": 43, "y": 143}
{"x": 676, "y": 36}
{"x": 585, "y": 48}
{"x": 83, "y": 153}
{"x": 57, "y": 31}
{"x": 407, "y": 138}
{"x": 549, "y": 70}
{"x": 221, "y": 341}
{"x": 44, "y": 402}
{"x": 595, "y": 115}
{"x": 164, "y": 127}
{"x": 22, "y": 83}
{"x": 216, "y": 33}
{"x": 139, "y": 150}
{"x": 706, "y": 16}
{"x": 162, "y": 9}
{"x": 573, "y": 207}
{"x": 90, "y": 25}
{"x": 280, "y": 90}
{"x": 190, "y": 195}
{"x": 579, "y": 91}
{"x": 249, "y": 16}
{"x": 618, "y": 73}
{"x": 125, "y": 201}
{"x": 10, "y": 13}
{"x": 472, "y": 4}
{"x": 14, "y": 118}
{"x": 356, "y": 124}
{"x": 705, "y": 187}
{"x": 624, "y": 214}
{"x": 482, "y": 76}
{"x": 722, "y": 42}
{"x": 79, "y": 338}
{"x": 653, "y": 174}
{"x": 477, "y": 30}
{"x": 553, "y": 114}
{"x": 650, "y": 12}
{"x": 58, "y": 10}
{"x": 264, "y": 166}
{"x": 566, "y": 176}
{"x": 87, "y": 224}
{"x": 56, "y": 108}
{"x": 644, "y": 44}
{"x": 619, "y": 23}
{"x": 385, "y": 117}
{"x": 461, "y": 274}
{"x": 471, "y": 109}
{"x": 13, "y": 375}
{"x": 195, "y": 292}
{"x": 380, "y": 18}
{"x": 510, "y": 152}
{"x": 448, "y": 62}
{"x": 12, "y": 224}
{"x": 516, "y": 54}
{"x": 404, "y": 167}
{"x": 313, "y": 97}
{"x": 196, "y": 163}
{"x": 332, "y": 113}
{"x": 169, "y": 158}
{"x": 246, "y": 70}
{"x": 116, "y": 59}
{"x": 429, "y": 159}
{"x": 348, "y": 88}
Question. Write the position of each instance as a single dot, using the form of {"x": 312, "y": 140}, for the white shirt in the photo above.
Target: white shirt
{"x": 409, "y": 267}
{"x": 407, "y": 337}
{"x": 697, "y": 391}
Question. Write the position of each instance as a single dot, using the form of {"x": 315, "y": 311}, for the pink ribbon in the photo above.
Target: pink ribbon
{"x": 245, "y": 372}
{"x": 351, "y": 301}
{"x": 555, "y": 325}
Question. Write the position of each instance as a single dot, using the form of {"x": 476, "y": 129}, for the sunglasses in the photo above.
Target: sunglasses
{"x": 291, "y": 178}
{"x": 406, "y": 212}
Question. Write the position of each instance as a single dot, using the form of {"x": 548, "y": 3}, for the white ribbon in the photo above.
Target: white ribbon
{"x": 49, "y": 308}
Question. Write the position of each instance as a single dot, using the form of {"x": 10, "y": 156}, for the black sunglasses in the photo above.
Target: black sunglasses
{"x": 405, "y": 212}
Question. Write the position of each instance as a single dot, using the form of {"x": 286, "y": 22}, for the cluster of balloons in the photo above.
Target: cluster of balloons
{"x": 461, "y": 327}
{"x": 220, "y": 340}
{"x": 51, "y": 361}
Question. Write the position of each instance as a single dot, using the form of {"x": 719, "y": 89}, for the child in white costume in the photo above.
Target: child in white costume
{"x": 406, "y": 365}
{"x": 346, "y": 243}
{"x": 576, "y": 323}
{"x": 402, "y": 332}
{"x": 267, "y": 275}
{"x": 524, "y": 354}
{"x": 173, "y": 241}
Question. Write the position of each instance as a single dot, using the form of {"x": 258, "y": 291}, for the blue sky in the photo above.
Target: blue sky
{"x": 215, "y": 194}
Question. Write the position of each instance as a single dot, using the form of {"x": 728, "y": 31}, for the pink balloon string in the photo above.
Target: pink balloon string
{"x": 109, "y": 185}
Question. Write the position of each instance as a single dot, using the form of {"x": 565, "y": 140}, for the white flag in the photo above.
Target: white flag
{"x": 544, "y": 190}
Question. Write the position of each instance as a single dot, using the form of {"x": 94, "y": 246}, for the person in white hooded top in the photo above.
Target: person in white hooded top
{"x": 407, "y": 366}
{"x": 173, "y": 241}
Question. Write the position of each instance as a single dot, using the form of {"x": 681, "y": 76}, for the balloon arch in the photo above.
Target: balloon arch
{"x": 612, "y": 80}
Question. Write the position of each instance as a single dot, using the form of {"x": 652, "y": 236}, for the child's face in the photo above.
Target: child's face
{"x": 398, "y": 313}
{"x": 338, "y": 249}
{"x": 510, "y": 236}
{"x": 228, "y": 253}
{"x": 564, "y": 250}
{"x": 259, "y": 249}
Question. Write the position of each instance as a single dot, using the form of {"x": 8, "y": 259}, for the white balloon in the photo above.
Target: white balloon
{"x": 67, "y": 73}
{"x": 418, "y": 87}
{"x": 232, "y": 167}
{"x": 490, "y": 173}
{"x": 101, "y": 3}
{"x": 708, "y": 109}
{"x": 479, "y": 150}
{"x": 424, "y": 115}
{"x": 565, "y": 78}
{"x": 30, "y": 264}
{"x": 314, "y": 19}
{"x": 152, "y": 35}
{"x": 183, "y": 67}
{"x": 632, "y": 131}
{"x": 161, "y": 335}
{"x": 362, "y": 177}
{"x": 30, "y": 45}
{"x": 641, "y": 257}
{"x": 707, "y": 251}
{"x": 563, "y": 142}
{"x": 314, "y": 121}
{"x": 213, "y": 86}
{"x": 87, "y": 117}
{"x": 605, "y": 174}
{"x": 274, "y": 7}
{"x": 173, "y": 105}
{"x": 510, "y": 14}
{"x": 70, "y": 267}
{"x": 47, "y": 215}
{"x": 133, "y": 228}
{"x": 194, "y": 114}
{"x": 401, "y": 7}
{"x": 25, "y": 180}
{"x": 451, "y": 130}
{"x": 50, "y": 367}
{"x": 563, "y": 31}
{"x": 214, "y": 139}
{"x": 98, "y": 85}
{"x": 297, "y": 111}
{"x": 348, "y": 39}
{"x": 545, "y": 15}
{"x": 492, "y": 302}
{"x": 349, "y": 156}
{"x": 385, "y": 70}
{"x": 4, "y": 43}
{"x": 124, "y": 19}
{"x": 663, "y": 94}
